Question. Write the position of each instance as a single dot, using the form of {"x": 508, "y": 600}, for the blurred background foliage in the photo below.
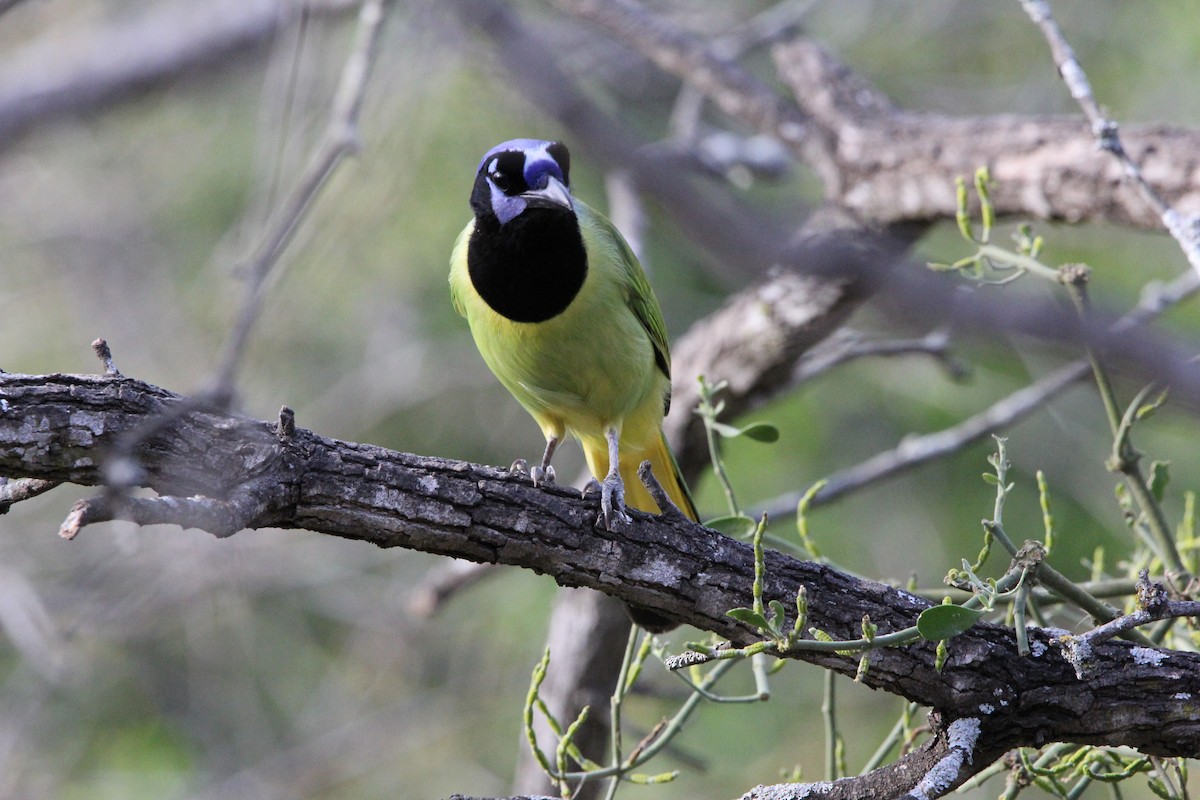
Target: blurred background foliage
{"x": 154, "y": 662}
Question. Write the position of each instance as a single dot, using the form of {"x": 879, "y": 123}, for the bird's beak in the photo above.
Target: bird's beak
{"x": 552, "y": 195}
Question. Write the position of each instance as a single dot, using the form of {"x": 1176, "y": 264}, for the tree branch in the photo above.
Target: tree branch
{"x": 55, "y": 76}
{"x": 1104, "y": 130}
{"x": 27, "y": 488}
{"x": 889, "y": 166}
{"x": 57, "y": 427}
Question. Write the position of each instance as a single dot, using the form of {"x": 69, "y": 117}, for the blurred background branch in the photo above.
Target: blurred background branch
{"x": 72, "y": 74}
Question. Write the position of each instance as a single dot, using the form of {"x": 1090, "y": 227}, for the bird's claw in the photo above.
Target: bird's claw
{"x": 612, "y": 503}
{"x": 519, "y": 467}
{"x": 541, "y": 475}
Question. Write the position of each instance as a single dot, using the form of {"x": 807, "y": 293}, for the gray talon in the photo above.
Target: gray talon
{"x": 612, "y": 502}
{"x": 591, "y": 487}
{"x": 519, "y": 467}
{"x": 542, "y": 475}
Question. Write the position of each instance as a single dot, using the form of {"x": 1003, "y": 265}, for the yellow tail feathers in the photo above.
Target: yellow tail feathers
{"x": 665, "y": 469}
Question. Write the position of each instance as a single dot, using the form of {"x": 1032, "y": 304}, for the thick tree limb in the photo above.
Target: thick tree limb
{"x": 885, "y": 165}
{"x": 890, "y": 166}
{"x": 57, "y": 427}
{"x": 897, "y": 165}
{"x": 755, "y": 339}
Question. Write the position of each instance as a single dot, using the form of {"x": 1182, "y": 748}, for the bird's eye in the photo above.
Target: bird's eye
{"x": 500, "y": 180}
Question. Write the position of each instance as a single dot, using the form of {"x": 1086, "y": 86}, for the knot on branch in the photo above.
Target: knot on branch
{"x": 1074, "y": 274}
{"x": 1030, "y": 555}
{"x": 1151, "y": 595}
{"x": 102, "y": 351}
{"x": 286, "y": 428}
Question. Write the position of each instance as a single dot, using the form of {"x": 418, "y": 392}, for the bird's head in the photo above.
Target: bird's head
{"x": 522, "y": 174}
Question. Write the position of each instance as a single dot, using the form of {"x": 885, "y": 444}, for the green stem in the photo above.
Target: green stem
{"x": 717, "y": 698}
{"x": 1071, "y": 592}
{"x": 1019, "y": 619}
{"x": 762, "y": 686}
{"x": 831, "y": 732}
{"x": 669, "y": 731}
{"x": 1079, "y": 788}
{"x": 708, "y": 412}
{"x": 1156, "y": 520}
{"x": 1019, "y": 260}
{"x": 890, "y": 741}
{"x": 1109, "y": 587}
{"x": 1126, "y": 456}
{"x": 618, "y": 696}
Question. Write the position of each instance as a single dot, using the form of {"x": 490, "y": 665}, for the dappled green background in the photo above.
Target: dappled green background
{"x": 161, "y": 663}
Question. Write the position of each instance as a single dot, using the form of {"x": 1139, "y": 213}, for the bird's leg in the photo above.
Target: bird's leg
{"x": 545, "y": 473}
{"x": 612, "y": 489}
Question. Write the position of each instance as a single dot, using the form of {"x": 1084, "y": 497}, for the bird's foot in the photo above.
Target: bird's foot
{"x": 542, "y": 475}
{"x": 519, "y": 467}
{"x": 612, "y": 500}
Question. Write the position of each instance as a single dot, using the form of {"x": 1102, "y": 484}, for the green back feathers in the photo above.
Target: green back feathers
{"x": 599, "y": 232}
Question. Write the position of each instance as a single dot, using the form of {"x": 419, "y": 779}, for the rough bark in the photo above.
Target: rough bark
{"x": 222, "y": 472}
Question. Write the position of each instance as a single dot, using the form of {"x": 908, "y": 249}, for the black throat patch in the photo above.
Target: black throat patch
{"x": 530, "y": 269}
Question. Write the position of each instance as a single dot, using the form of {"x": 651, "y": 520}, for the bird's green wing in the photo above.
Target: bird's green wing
{"x": 458, "y": 269}
{"x": 638, "y": 294}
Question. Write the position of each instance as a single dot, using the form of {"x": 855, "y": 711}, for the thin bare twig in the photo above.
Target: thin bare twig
{"x": 1104, "y": 128}
{"x": 12, "y": 492}
{"x": 848, "y": 345}
{"x": 730, "y": 87}
{"x": 442, "y": 584}
{"x": 916, "y": 450}
{"x": 775, "y": 23}
{"x": 101, "y": 349}
{"x": 1153, "y": 604}
{"x": 339, "y": 140}
{"x": 57, "y": 74}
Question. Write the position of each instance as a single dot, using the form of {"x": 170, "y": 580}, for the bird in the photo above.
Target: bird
{"x": 563, "y": 314}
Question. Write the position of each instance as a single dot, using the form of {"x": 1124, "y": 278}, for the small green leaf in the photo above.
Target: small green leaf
{"x": 761, "y": 432}
{"x": 943, "y": 622}
{"x": 1148, "y": 409}
{"x": 739, "y": 526}
{"x": 801, "y": 612}
{"x": 869, "y": 629}
{"x": 989, "y": 477}
{"x": 864, "y": 664}
{"x": 1160, "y": 475}
{"x": 986, "y": 212}
{"x": 778, "y": 613}
{"x": 749, "y": 616}
{"x": 758, "y": 431}
{"x": 961, "y": 215}
{"x": 650, "y": 780}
